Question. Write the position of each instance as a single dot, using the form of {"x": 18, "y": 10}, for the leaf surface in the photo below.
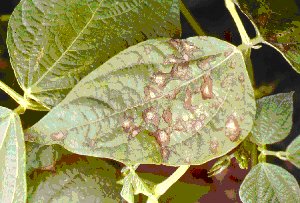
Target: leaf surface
{"x": 162, "y": 101}
{"x": 77, "y": 180}
{"x": 293, "y": 152}
{"x": 273, "y": 120}
{"x": 279, "y": 24}
{"x": 42, "y": 157}
{"x": 269, "y": 183}
{"x": 54, "y": 44}
{"x": 12, "y": 156}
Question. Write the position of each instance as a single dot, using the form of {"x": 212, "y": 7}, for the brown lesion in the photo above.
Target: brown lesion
{"x": 167, "y": 116}
{"x": 188, "y": 100}
{"x": 232, "y": 128}
{"x": 206, "y": 88}
{"x": 129, "y": 127}
{"x": 173, "y": 94}
{"x": 160, "y": 79}
{"x": 181, "y": 71}
{"x": 213, "y": 146}
{"x": 59, "y": 136}
{"x": 151, "y": 93}
{"x": 150, "y": 116}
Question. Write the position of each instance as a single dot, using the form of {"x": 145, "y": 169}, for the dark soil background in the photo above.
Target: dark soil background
{"x": 269, "y": 67}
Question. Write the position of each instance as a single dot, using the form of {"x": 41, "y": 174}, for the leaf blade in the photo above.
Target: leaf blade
{"x": 273, "y": 120}
{"x": 53, "y": 45}
{"x": 293, "y": 152}
{"x": 117, "y": 100}
{"x": 12, "y": 153}
{"x": 275, "y": 185}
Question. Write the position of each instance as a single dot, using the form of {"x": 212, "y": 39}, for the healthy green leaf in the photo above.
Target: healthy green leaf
{"x": 83, "y": 180}
{"x": 269, "y": 183}
{"x": 162, "y": 101}
{"x": 293, "y": 152}
{"x": 53, "y": 44}
{"x": 279, "y": 23}
{"x": 42, "y": 157}
{"x": 273, "y": 120}
{"x": 12, "y": 156}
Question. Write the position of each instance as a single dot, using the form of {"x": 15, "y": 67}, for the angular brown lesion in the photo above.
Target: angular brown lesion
{"x": 59, "y": 136}
{"x": 129, "y": 127}
{"x": 181, "y": 71}
{"x": 150, "y": 116}
{"x": 232, "y": 128}
{"x": 160, "y": 79}
{"x": 206, "y": 88}
{"x": 151, "y": 93}
{"x": 167, "y": 116}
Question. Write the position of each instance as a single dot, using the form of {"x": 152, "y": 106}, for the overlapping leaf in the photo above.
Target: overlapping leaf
{"x": 279, "y": 23}
{"x": 273, "y": 120}
{"x": 162, "y": 101}
{"x": 42, "y": 156}
{"x": 53, "y": 44}
{"x": 269, "y": 183}
{"x": 12, "y": 156}
{"x": 79, "y": 180}
{"x": 293, "y": 152}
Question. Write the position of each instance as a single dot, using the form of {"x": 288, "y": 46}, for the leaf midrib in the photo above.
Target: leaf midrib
{"x": 74, "y": 41}
{"x": 140, "y": 104}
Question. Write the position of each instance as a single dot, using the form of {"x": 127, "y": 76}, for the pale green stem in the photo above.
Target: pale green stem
{"x": 25, "y": 103}
{"x": 190, "y": 19}
{"x": 20, "y": 110}
{"x": 279, "y": 154}
{"x": 253, "y": 155}
{"x": 162, "y": 187}
{"x": 243, "y": 33}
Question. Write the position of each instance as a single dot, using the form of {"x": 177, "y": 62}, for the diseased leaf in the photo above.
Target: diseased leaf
{"x": 279, "y": 23}
{"x": 273, "y": 120}
{"x": 293, "y": 152}
{"x": 269, "y": 183}
{"x": 12, "y": 156}
{"x": 162, "y": 101}
{"x": 82, "y": 180}
{"x": 42, "y": 157}
{"x": 55, "y": 43}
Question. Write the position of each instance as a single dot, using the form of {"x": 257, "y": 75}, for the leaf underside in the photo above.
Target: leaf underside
{"x": 163, "y": 101}
{"x": 53, "y": 44}
{"x": 12, "y": 156}
{"x": 279, "y": 23}
{"x": 82, "y": 180}
{"x": 269, "y": 183}
{"x": 273, "y": 120}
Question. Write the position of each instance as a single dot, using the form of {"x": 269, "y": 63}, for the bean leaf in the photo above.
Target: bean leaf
{"x": 42, "y": 157}
{"x": 273, "y": 120}
{"x": 279, "y": 24}
{"x": 53, "y": 44}
{"x": 269, "y": 183}
{"x": 77, "y": 179}
{"x": 162, "y": 101}
{"x": 12, "y": 156}
{"x": 293, "y": 152}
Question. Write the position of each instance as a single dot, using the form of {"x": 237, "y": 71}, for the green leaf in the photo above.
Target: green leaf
{"x": 165, "y": 101}
{"x": 279, "y": 24}
{"x": 82, "y": 180}
{"x": 269, "y": 183}
{"x": 42, "y": 157}
{"x": 273, "y": 120}
{"x": 293, "y": 152}
{"x": 12, "y": 156}
{"x": 54, "y": 44}
{"x": 133, "y": 185}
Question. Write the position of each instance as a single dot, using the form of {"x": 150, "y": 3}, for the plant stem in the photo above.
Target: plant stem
{"x": 262, "y": 156}
{"x": 279, "y": 154}
{"x": 20, "y": 110}
{"x": 25, "y": 103}
{"x": 243, "y": 33}
{"x": 190, "y": 19}
{"x": 162, "y": 187}
{"x": 253, "y": 155}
